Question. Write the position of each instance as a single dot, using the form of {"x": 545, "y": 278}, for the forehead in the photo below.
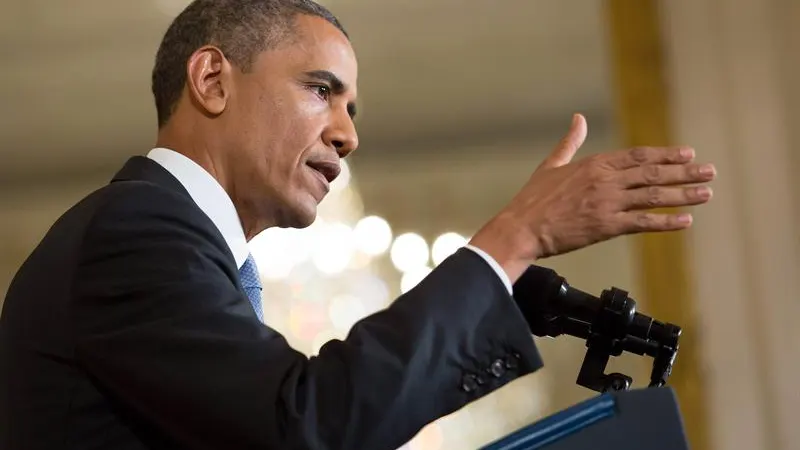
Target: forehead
{"x": 316, "y": 45}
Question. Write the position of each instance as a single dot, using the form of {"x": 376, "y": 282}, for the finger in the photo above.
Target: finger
{"x": 639, "y": 156}
{"x": 658, "y": 197}
{"x": 569, "y": 145}
{"x": 665, "y": 174}
{"x": 642, "y": 222}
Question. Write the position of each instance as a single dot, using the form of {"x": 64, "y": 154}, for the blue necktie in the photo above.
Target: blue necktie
{"x": 248, "y": 274}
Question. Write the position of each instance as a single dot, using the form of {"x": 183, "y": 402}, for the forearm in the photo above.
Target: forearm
{"x": 454, "y": 338}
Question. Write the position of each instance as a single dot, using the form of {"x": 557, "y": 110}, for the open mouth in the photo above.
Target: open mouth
{"x": 328, "y": 169}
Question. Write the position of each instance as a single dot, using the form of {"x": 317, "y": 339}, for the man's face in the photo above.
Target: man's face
{"x": 290, "y": 120}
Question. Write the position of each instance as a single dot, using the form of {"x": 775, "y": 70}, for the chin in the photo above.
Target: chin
{"x": 305, "y": 221}
{"x": 300, "y": 215}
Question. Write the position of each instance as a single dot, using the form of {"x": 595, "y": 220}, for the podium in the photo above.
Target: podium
{"x": 619, "y": 418}
{"x": 625, "y": 420}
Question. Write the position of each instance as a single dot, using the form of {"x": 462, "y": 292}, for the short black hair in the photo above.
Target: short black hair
{"x": 240, "y": 28}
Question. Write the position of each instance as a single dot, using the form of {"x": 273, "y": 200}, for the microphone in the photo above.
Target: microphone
{"x": 552, "y": 305}
{"x": 610, "y": 324}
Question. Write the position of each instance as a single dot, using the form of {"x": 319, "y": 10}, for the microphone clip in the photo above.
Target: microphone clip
{"x": 617, "y": 328}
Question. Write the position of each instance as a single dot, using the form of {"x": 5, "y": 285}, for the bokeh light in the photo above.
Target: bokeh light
{"x": 334, "y": 248}
{"x": 345, "y": 310}
{"x": 445, "y": 245}
{"x": 306, "y": 320}
{"x": 275, "y": 253}
{"x": 409, "y": 251}
{"x": 373, "y": 235}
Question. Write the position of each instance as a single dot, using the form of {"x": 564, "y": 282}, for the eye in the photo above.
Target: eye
{"x": 322, "y": 91}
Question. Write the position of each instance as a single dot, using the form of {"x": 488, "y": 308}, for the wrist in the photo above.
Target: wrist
{"x": 507, "y": 245}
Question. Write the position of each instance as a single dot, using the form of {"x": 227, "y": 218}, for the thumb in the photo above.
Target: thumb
{"x": 569, "y": 145}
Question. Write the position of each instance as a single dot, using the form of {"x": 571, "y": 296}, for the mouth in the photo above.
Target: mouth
{"x": 328, "y": 169}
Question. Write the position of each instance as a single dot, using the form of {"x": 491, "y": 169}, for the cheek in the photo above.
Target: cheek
{"x": 280, "y": 132}
{"x": 281, "y": 147}
{"x": 301, "y": 129}
{"x": 310, "y": 113}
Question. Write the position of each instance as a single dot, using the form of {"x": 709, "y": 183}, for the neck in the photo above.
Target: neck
{"x": 204, "y": 149}
{"x": 190, "y": 142}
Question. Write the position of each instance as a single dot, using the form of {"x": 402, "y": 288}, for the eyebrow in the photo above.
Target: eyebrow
{"x": 337, "y": 86}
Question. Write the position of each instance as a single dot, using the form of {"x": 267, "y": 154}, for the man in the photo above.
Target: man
{"x": 135, "y": 324}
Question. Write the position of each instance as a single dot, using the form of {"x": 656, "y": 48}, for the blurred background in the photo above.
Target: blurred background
{"x": 459, "y": 102}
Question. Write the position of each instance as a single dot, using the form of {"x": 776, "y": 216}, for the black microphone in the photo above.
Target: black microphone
{"x": 554, "y": 308}
{"x": 546, "y": 296}
{"x": 610, "y": 325}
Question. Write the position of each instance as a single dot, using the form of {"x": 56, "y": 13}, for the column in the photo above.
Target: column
{"x": 664, "y": 268}
{"x": 729, "y": 92}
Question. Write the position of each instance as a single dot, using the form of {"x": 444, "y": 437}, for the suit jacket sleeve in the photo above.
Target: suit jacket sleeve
{"x": 163, "y": 329}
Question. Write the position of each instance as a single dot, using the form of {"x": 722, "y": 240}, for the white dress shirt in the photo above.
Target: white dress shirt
{"x": 218, "y": 206}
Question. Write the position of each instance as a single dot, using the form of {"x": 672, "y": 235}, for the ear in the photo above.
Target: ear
{"x": 208, "y": 79}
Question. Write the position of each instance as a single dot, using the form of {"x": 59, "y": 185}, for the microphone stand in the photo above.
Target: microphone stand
{"x": 615, "y": 328}
{"x": 610, "y": 325}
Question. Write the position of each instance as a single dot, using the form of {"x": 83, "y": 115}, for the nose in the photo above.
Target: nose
{"x": 342, "y": 136}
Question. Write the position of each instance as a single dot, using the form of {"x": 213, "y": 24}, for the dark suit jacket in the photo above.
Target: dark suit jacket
{"x": 127, "y": 328}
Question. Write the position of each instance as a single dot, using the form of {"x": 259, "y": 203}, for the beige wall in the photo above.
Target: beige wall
{"x": 787, "y": 15}
{"x": 27, "y": 212}
{"x": 731, "y": 79}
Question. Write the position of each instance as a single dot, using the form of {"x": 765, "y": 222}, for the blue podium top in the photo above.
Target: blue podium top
{"x": 558, "y": 426}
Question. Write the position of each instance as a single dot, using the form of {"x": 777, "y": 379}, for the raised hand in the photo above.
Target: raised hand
{"x": 570, "y": 205}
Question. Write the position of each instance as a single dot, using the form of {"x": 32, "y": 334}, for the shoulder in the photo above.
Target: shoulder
{"x": 140, "y": 219}
{"x": 142, "y": 200}
{"x": 147, "y": 253}
{"x": 144, "y": 208}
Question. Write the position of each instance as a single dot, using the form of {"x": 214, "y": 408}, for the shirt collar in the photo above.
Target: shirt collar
{"x": 209, "y": 196}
